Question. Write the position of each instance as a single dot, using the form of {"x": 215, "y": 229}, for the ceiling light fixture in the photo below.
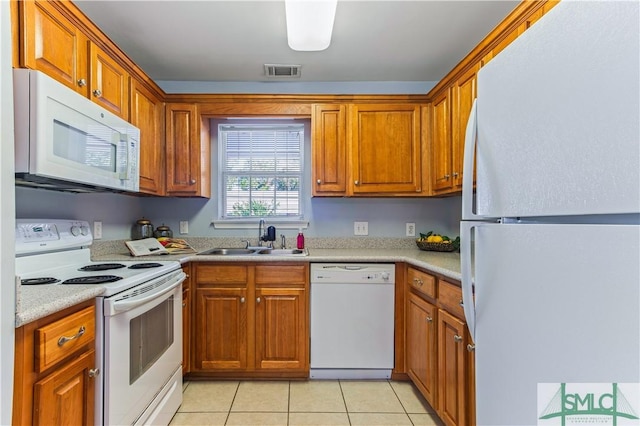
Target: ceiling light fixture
{"x": 310, "y": 23}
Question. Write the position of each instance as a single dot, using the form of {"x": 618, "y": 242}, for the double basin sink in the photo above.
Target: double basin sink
{"x": 254, "y": 251}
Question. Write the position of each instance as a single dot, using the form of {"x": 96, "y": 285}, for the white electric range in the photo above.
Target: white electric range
{"x": 138, "y": 318}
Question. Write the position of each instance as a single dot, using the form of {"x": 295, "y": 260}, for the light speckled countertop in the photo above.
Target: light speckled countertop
{"x": 446, "y": 264}
{"x": 34, "y": 302}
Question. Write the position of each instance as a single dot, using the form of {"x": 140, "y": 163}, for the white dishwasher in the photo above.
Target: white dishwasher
{"x": 352, "y": 320}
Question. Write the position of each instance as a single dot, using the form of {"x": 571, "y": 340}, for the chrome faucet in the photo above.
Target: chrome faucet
{"x": 261, "y": 232}
{"x": 283, "y": 243}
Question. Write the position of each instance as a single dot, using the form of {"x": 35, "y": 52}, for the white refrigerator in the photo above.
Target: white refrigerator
{"x": 551, "y": 236}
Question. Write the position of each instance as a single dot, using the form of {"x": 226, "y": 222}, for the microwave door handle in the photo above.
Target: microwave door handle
{"x": 122, "y": 137}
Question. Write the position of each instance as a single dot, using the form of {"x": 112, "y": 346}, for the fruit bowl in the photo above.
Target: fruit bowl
{"x": 436, "y": 242}
{"x": 442, "y": 246}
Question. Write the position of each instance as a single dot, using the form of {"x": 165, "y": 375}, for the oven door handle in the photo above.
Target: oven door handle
{"x": 122, "y": 305}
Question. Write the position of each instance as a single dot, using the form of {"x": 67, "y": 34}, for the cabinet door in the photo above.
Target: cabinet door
{"x": 441, "y": 180}
{"x": 422, "y": 351}
{"x": 109, "y": 82}
{"x": 452, "y": 365}
{"x": 53, "y": 45}
{"x": 464, "y": 93}
{"x": 186, "y": 322}
{"x": 329, "y": 150}
{"x": 385, "y": 149}
{"x": 282, "y": 329}
{"x": 146, "y": 114}
{"x": 221, "y": 329}
{"x": 66, "y": 396}
{"x": 186, "y": 172}
{"x": 471, "y": 383}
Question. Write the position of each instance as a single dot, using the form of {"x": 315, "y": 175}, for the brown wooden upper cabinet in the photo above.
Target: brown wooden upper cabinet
{"x": 51, "y": 43}
{"x": 386, "y": 149}
{"x": 187, "y": 170}
{"x": 108, "y": 82}
{"x": 441, "y": 180}
{"x": 464, "y": 93}
{"x": 449, "y": 114}
{"x": 147, "y": 114}
{"x": 367, "y": 150}
{"x": 329, "y": 149}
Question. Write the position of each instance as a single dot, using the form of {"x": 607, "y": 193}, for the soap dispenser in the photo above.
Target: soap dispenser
{"x": 300, "y": 240}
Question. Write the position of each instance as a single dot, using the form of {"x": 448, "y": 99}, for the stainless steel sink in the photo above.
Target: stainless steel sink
{"x": 285, "y": 252}
{"x": 228, "y": 252}
{"x": 254, "y": 251}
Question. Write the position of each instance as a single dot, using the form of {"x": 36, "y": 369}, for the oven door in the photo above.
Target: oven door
{"x": 142, "y": 349}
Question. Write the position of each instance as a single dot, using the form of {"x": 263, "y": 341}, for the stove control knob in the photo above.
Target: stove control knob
{"x": 75, "y": 230}
{"x": 84, "y": 230}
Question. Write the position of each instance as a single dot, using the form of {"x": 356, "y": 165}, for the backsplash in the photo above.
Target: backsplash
{"x": 102, "y": 248}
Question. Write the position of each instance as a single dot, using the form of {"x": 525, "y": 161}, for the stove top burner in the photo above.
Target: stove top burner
{"x": 39, "y": 281}
{"x": 145, "y": 265}
{"x": 97, "y": 279}
{"x": 102, "y": 267}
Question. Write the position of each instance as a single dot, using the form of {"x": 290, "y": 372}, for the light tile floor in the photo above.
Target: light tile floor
{"x": 313, "y": 402}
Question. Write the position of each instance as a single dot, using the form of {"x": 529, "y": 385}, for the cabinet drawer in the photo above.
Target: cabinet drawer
{"x": 64, "y": 337}
{"x": 221, "y": 274}
{"x": 422, "y": 282}
{"x": 279, "y": 275}
{"x": 450, "y": 298}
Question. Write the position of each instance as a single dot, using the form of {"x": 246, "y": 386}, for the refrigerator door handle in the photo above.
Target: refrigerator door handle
{"x": 471, "y": 134}
{"x": 468, "y": 302}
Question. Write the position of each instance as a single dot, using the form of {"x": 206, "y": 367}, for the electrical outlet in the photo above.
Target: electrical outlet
{"x": 360, "y": 228}
{"x": 97, "y": 230}
{"x": 184, "y": 226}
{"x": 411, "y": 229}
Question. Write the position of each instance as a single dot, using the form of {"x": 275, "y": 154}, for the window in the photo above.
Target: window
{"x": 261, "y": 170}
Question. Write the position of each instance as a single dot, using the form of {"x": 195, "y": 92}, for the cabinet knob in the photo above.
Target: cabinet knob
{"x": 418, "y": 281}
{"x": 257, "y": 300}
{"x": 357, "y": 182}
{"x": 457, "y": 338}
{"x": 461, "y": 303}
{"x": 97, "y": 92}
{"x": 242, "y": 300}
{"x": 471, "y": 347}
{"x": 446, "y": 177}
{"x": 192, "y": 181}
{"x": 429, "y": 319}
{"x": 82, "y": 82}
{"x": 318, "y": 181}
{"x": 94, "y": 372}
{"x": 455, "y": 174}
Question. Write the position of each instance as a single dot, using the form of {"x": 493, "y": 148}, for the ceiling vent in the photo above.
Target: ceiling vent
{"x": 282, "y": 71}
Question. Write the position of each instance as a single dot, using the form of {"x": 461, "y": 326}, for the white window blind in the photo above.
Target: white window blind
{"x": 261, "y": 170}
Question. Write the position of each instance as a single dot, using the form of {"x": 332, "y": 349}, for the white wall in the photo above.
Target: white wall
{"x": 7, "y": 222}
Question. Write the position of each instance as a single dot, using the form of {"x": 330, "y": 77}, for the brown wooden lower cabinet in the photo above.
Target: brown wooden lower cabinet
{"x": 422, "y": 350}
{"x": 281, "y": 329}
{"x": 54, "y": 384}
{"x": 439, "y": 351}
{"x": 251, "y": 320}
{"x": 186, "y": 320}
{"x": 221, "y": 329}
{"x": 452, "y": 369}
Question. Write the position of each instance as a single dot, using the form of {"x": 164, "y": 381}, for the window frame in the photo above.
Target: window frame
{"x": 287, "y": 222}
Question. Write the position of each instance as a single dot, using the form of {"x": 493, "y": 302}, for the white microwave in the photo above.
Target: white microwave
{"x": 65, "y": 142}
